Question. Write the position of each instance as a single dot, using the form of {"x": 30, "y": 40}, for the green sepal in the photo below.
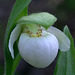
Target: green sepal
{"x": 44, "y": 19}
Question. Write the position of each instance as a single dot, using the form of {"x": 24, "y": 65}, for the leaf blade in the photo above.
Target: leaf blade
{"x": 17, "y": 12}
{"x": 68, "y": 56}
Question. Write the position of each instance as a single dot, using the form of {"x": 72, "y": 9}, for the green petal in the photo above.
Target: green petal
{"x": 64, "y": 42}
{"x": 44, "y": 19}
{"x": 13, "y": 37}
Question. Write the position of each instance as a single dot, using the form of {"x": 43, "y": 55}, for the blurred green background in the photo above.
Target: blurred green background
{"x": 64, "y": 10}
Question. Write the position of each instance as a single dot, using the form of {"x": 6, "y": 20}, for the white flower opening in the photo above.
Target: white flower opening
{"x": 38, "y": 47}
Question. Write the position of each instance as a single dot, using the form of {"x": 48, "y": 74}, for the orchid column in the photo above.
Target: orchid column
{"x": 38, "y": 46}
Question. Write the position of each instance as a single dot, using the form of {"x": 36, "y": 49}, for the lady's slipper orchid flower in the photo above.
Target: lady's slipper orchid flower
{"x": 38, "y": 47}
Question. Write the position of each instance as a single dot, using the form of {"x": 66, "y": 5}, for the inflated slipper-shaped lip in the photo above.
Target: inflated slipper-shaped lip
{"x": 38, "y": 51}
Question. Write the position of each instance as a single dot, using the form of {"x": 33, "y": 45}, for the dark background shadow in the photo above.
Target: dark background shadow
{"x": 64, "y": 10}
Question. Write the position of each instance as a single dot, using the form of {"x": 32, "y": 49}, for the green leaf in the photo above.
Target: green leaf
{"x": 66, "y": 60}
{"x": 44, "y": 19}
{"x": 19, "y": 10}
